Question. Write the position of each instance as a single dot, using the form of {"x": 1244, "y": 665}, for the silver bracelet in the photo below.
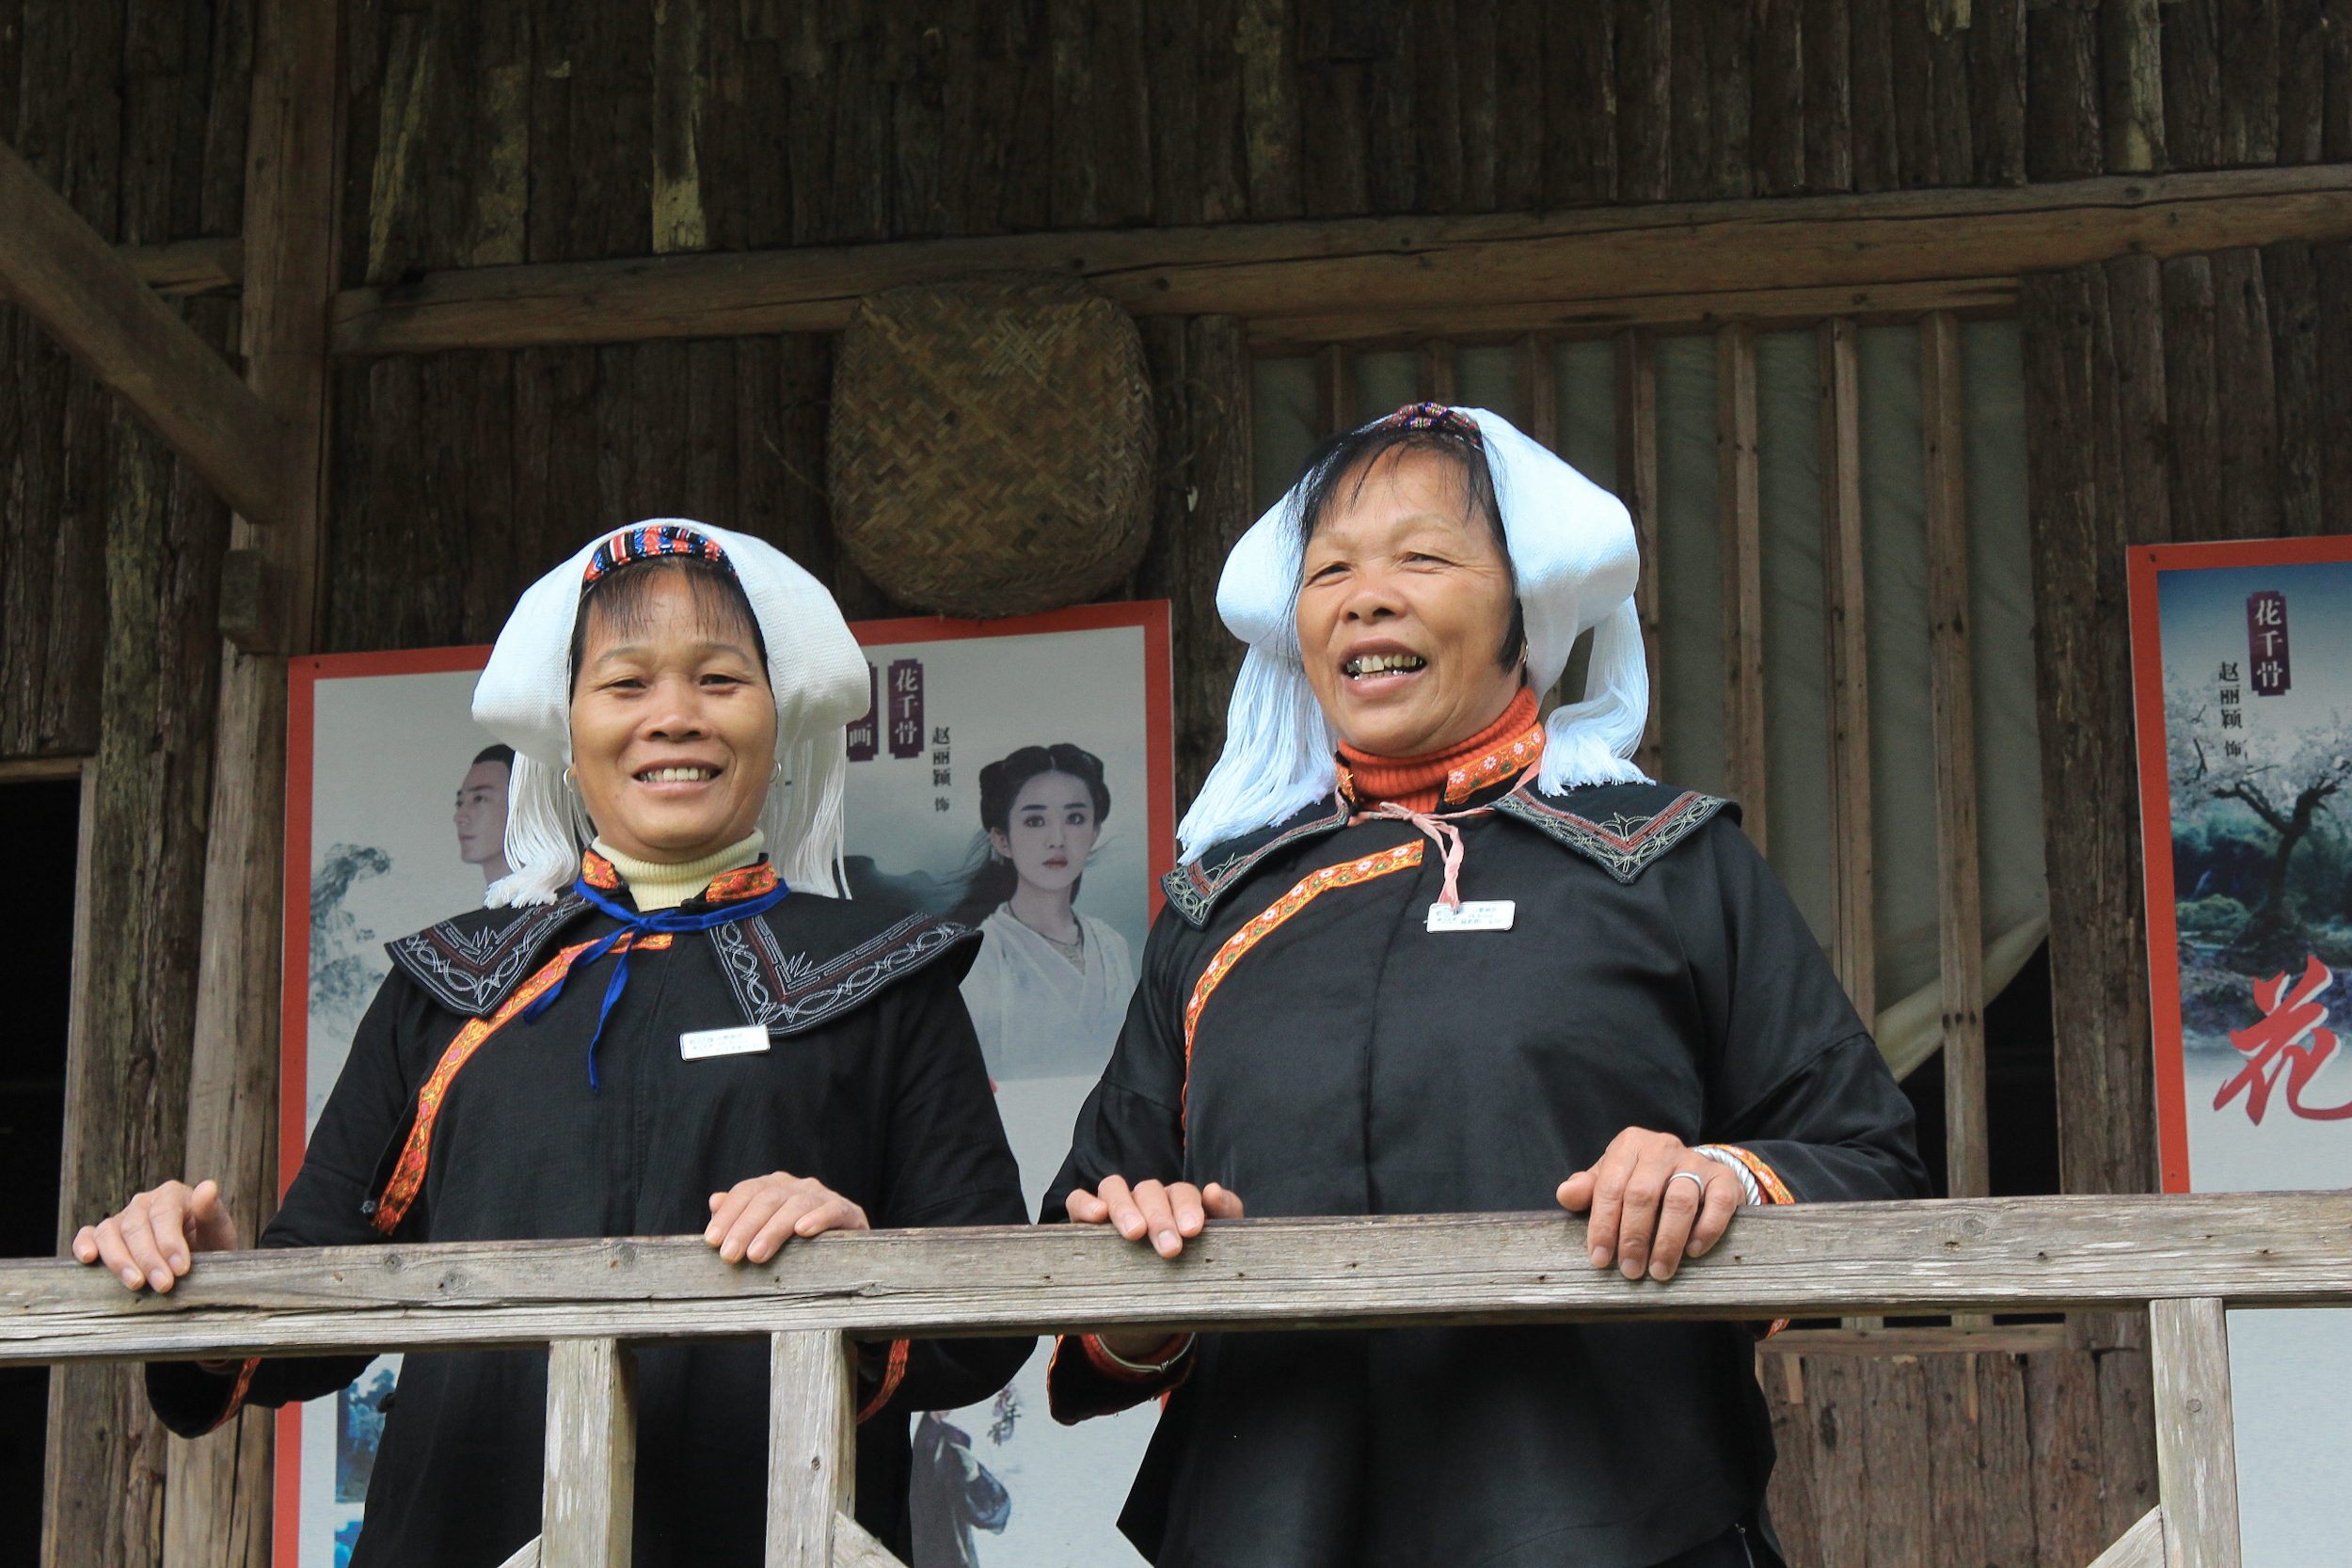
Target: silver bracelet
{"x": 1750, "y": 1194}
{"x": 1151, "y": 1367}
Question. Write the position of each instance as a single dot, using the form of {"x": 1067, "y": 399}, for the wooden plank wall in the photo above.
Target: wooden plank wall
{"x": 488, "y": 131}
{"x": 136, "y": 110}
{"x": 1959, "y": 1460}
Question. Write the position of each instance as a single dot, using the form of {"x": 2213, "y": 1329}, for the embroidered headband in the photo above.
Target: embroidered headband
{"x": 1433, "y": 416}
{"x": 649, "y": 542}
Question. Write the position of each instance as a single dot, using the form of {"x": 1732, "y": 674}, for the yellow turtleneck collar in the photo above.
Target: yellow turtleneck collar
{"x": 655, "y": 886}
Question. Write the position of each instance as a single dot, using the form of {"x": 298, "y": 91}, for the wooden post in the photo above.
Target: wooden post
{"x": 218, "y": 1493}
{"x": 1952, "y": 689}
{"x": 1539, "y": 392}
{"x": 1434, "y": 365}
{"x": 588, "y": 1495}
{"x": 811, "y": 1447}
{"x": 1335, "y": 390}
{"x": 1637, "y": 486}
{"x": 1852, "y": 867}
{"x": 2196, "y": 1442}
{"x": 1740, "y": 543}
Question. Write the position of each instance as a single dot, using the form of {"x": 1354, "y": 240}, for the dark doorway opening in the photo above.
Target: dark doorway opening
{"x": 38, "y": 925}
{"x": 2020, "y": 1089}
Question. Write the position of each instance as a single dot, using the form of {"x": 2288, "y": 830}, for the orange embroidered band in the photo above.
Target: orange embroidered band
{"x": 1507, "y": 759}
{"x": 894, "y": 1373}
{"x": 1346, "y": 874}
{"x": 385, "y": 1211}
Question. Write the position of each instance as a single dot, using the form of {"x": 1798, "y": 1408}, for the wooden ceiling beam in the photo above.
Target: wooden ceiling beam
{"x": 94, "y": 303}
{"x": 1386, "y": 269}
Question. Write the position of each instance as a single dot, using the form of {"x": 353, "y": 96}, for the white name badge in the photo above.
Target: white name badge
{"x": 722, "y": 1042}
{"x": 1489, "y": 914}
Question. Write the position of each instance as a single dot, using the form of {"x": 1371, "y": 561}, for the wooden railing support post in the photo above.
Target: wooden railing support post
{"x": 811, "y": 1447}
{"x": 588, "y": 1505}
{"x": 2196, "y": 1440}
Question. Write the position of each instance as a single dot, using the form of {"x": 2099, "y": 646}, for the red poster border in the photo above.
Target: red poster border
{"x": 2145, "y": 563}
{"x": 1151, "y": 616}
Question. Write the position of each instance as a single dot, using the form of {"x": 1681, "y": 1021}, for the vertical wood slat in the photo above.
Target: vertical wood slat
{"x": 588, "y": 1497}
{"x": 1852, "y": 873}
{"x": 2132, "y": 59}
{"x": 2196, "y": 1442}
{"x": 1539, "y": 392}
{"x": 1637, "y": 486}
{"x": 1952, "y": 689}
{"x": 1740, "y": 545}
{"x": 1335, "y": 390}
{"x": 812, "y": 1436}
{"x": 1433, "y": 367}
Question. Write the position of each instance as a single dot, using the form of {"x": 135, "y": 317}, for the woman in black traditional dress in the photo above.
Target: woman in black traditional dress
{"x": 1481, "y": 963}
{"x": 666, "y": 1032}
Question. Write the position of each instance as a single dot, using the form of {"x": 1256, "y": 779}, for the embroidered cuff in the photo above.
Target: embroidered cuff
{"x": 1758, "y": 1182}
{"x": 237, "y": 1393}
{"x": 1119, "y": 1368}
{"x": 894, "y": 1372}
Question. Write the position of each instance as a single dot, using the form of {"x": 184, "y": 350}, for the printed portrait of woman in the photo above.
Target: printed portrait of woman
{"x": 1050, "y": 986}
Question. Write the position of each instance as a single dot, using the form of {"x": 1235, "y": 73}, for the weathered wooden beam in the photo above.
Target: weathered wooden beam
{"x": 812, "y": 1461}
{"x": 1952, "y": 698}
{"x": 1540, "y": 390}
{"x": 1335, "y": 390}
{"x": 268, "y": 594}
{"x": 1846, "y": 632}
{"x": 87, "y": 297}
{"x": 2189, "y": 1341}
{"x": 1985, "y": 1255}
{"x": 1740, "y": 547}
{"x": 588, "y": 1492}
{"x": 2140, "y": 1547}
{"x": 1264, "y": 271}
{"x": 24, "y": 769}
{"x": 181, "y": 266}
{"x": 2012, "y": 1339}
{"x": 1479, "y": 322}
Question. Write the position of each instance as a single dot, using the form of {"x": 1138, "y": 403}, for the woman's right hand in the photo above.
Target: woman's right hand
{"x": 1168, "y": 1215}
{"x": 158, "y": 1233}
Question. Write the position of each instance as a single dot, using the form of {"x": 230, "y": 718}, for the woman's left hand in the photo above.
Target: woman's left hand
{"x": 1641, "y": 1217}
{"x": 753, "y": 1219}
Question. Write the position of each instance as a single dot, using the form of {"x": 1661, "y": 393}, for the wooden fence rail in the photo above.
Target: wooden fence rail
{"x": 2187, "y": 1257}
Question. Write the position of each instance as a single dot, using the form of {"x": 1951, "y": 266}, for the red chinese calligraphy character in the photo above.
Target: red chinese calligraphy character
{"x": 2289, "y": 1043}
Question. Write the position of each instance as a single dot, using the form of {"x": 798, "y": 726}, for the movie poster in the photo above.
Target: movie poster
{"x": 1058, "y": 725}
{"x": 2242, "y": 656}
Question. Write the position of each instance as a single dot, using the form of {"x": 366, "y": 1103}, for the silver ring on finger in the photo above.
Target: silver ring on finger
{"x": 1694, "y": 1178}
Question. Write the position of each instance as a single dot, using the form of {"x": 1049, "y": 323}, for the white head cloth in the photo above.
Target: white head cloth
{"x": 813, "y": 666}
{"x": 1573, "y": 551}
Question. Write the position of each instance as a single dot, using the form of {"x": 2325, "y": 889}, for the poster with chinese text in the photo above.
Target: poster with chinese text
{"x": 1013, "y": 774}
{"x": 2242, "y": 669}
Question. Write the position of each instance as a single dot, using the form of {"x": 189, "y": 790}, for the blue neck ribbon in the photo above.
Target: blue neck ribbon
{"x": 634, "y": 924}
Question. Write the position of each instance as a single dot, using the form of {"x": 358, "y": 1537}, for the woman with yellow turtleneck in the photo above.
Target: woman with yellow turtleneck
{"x": 669, "y": 1032}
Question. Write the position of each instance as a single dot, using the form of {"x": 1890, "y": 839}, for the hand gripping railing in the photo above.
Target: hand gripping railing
{"x": 2185, "y": 1258}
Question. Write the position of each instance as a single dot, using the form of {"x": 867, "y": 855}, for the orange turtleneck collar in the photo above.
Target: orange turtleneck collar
{"x": 1509, "y": 746}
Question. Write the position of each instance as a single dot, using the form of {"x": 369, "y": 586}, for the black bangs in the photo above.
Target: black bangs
{"x": 623, "y": 596}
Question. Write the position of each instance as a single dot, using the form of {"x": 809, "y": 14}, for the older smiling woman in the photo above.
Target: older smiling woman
{"x": 1482, "y": 964}
{"x": 651, "y": 1037}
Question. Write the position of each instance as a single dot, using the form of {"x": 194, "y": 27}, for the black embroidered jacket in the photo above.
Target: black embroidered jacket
{"x": 1300, "y": 1037}
{"x": 872, "y": 1082}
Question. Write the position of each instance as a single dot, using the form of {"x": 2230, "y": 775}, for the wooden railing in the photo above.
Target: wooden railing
{"x": 2183, "y": 1259}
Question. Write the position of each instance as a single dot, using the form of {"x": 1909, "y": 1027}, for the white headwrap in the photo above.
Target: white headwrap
{"x": 813, "y": 666}
{"x": 1573, "y": 551}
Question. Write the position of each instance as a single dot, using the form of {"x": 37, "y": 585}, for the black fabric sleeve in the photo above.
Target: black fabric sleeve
{"x": 1133, "y": 1122}
{"x": 947, "y": 1163}
{"x": 320, "y": 1208}
{"x": 1133, "y": 1126}
{"x": 1794, "y": 1077}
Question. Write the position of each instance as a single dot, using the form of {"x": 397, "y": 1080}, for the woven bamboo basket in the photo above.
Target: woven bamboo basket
{"x": 992, "y": 445}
